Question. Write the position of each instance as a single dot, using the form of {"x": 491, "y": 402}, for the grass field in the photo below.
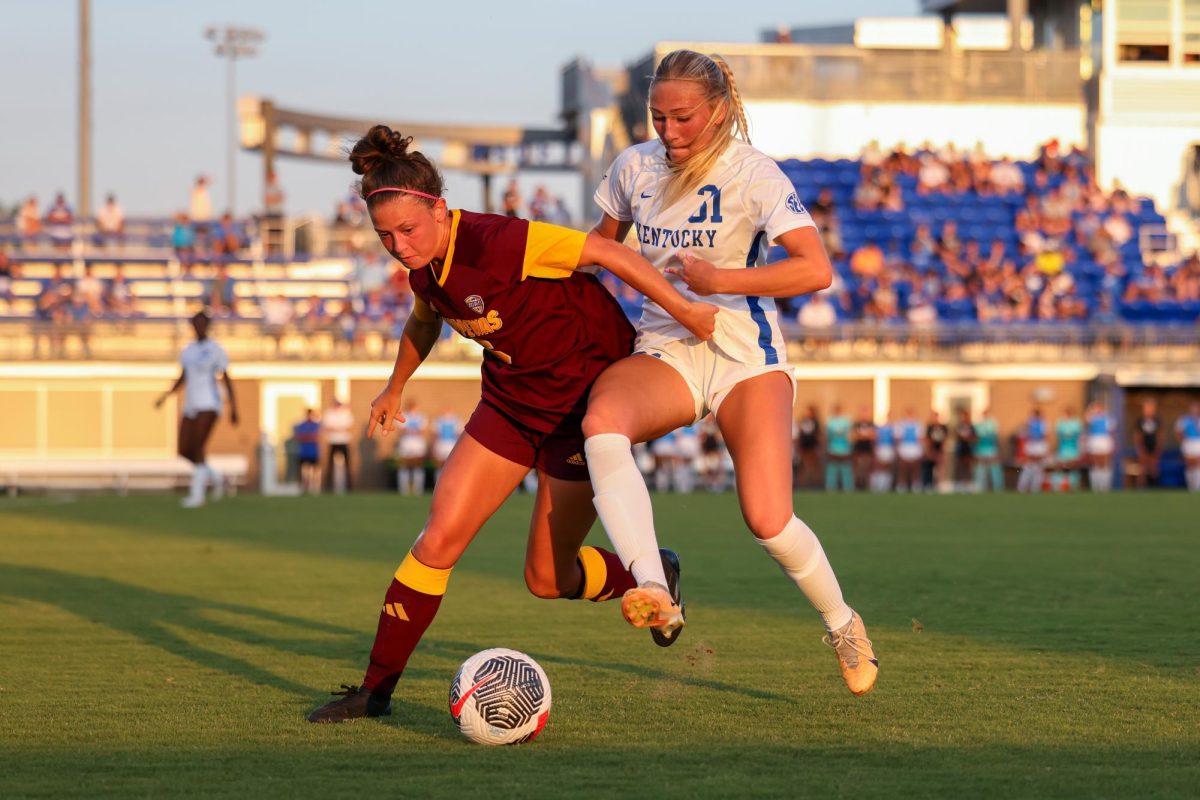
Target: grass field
{"x": 1042, "y": 646}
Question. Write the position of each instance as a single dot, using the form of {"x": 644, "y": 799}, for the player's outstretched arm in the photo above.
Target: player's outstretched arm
{"x": 174, "y": 388}
{"x": 416, "y": 342}
{"x": 699, "y": 318}
{"x": 806, "y": 269}
{"x": 233, "y": 413}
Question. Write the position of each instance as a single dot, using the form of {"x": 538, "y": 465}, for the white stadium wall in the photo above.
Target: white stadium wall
{"x": 826, "y": 130}
{"x": 1145, "y": 159}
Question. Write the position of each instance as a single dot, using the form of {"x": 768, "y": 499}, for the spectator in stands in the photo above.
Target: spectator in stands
{"x": 337, "y": 426}
{"x": 884, "y": 305}
{"x": 824, "y": 214}
{"x": 817, "y": 314}
{"x": 220, "y": 294}
{"x": 867, "y": 261}
{"x": 54, "y": 298}
{"x": 1147, "y": 442}
{"x": 949, "y": 244}
{"x": 1185, "y": 281}
{"x": 278, "y": 313}
{"x": 118, "y": 296}
{"x": 89, "y": 291}
{"x": 110, "y": 222}
{"x": 1118, "y": 229}
{"x": 200, "y": 207}
{"x": 183, "y": 239}
{"x": 539, "y": 206}
{"x": 347, "y": 325}
{"x": 8, "y": 272}
{"x": 1007, "y": 177}
{"x": 316, "y": 315}
{"x": 227, "y": 238}
{"x": 59, "y": 223}
{"x": 933, "y": 176}
{"x": 371, "y": 274}
{"x": 308, "y": 434}
{"x": 511, "y": 202}
{"x": 924, "y": 247}
{"x": 867, "y": 196}
{"x": 29, "y": 221}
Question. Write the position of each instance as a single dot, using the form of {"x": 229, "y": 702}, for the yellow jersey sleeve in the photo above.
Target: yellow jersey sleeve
{"x": 551, "y": 251}
{"x": 423, "y": 311}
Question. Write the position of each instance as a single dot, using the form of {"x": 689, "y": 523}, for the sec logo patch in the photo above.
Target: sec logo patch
{"x": 794, "y": 204}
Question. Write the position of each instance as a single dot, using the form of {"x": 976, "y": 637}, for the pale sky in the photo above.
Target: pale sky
{"x": 158, "y": 91}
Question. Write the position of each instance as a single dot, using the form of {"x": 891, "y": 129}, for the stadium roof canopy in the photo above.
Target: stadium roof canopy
{"x": 965, "y": 6}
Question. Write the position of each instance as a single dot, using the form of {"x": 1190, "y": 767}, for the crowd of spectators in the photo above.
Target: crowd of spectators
{"x": 942, "y": 235}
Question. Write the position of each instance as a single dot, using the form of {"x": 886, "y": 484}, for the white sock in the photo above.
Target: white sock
{"x": 623, "y": 503}
{"x": 199, "y": 482}
{"x": 799, "y": 554}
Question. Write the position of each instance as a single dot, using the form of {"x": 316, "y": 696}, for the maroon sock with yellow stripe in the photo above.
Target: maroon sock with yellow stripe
{"x": 604, "y": 576}
{"x": 408, "y": 607}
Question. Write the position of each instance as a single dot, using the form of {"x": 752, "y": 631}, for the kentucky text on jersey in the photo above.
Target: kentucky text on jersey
{"x": 671, "y": 237}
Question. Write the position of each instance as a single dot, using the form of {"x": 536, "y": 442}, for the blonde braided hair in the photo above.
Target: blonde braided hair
{"x": 718, "y": 86}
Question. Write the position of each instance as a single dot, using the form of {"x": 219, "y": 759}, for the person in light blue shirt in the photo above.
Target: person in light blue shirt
{"x": 987, "y": 453}
{"x": 1187, "y": 429}
{"x": 1035, "y": 449}
{"x": 837, "y": 451}
{"x": 1099, "y": 443}
{"x": 910, "y": 448}
{"x": 885, "y": 456}
{"x": 1068, "y": 431}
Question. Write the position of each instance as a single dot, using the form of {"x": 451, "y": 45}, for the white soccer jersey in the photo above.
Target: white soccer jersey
{"x": 744, "y": 204}
{"x": 202, "y": 362}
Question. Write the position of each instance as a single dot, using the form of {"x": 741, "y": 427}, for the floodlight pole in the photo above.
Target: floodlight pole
{"x": 85, "y": 110}
{"x": 231, "y": 44}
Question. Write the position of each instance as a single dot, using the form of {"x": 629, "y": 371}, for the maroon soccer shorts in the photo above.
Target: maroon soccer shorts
{"x": 559, "y": 453}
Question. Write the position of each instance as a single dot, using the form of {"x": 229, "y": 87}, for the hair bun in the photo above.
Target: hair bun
{"x": 379, "y": 146}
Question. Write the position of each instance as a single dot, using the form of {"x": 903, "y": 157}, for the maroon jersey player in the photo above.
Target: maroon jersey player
{"x": 547, "y": 331}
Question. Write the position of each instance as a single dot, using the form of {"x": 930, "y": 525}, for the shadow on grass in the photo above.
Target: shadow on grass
{"x": 153, "y": 617}
{"x": 697, "y": 768}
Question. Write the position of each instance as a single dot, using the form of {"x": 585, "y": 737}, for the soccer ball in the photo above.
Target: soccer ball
{"x": 500, "y": 696}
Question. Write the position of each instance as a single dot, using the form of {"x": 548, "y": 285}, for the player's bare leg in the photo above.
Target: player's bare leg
{"x": 636, "y": 399}
{"x": 755, "y": 420}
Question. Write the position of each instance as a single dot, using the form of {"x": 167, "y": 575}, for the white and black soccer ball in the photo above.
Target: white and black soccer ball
{"x": 500, "y": 696}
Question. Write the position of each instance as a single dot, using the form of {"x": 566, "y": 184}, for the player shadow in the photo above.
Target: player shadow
{"x": 153, "y": 618}
{"x": 462, "y": 650}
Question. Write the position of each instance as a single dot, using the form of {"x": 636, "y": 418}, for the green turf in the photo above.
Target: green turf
{"x": 1031, "y": 647}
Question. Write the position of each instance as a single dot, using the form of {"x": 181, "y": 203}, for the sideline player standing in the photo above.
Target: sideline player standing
{"x": 705, "y": 207}
{"x": 547, "y": 331}
{"x": 1187, "y": 429}
{"x": 1099, "y": 429}
{"x": 203, "y": 361}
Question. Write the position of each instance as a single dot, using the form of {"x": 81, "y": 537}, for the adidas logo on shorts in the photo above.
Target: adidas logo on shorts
{"x": 577, "y": 460}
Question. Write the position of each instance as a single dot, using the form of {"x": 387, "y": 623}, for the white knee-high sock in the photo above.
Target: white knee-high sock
{"x": 799, "y": 554}
{"x": 198, "y": 488}
{"x": 623, "y": 503}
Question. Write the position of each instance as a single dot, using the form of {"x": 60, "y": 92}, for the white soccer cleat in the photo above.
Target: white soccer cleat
{"x": 192, "y": 502}
{"x": 218, "y": 486}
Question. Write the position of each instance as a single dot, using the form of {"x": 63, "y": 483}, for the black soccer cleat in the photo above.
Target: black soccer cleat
{"x": 670, "y": 562}
{"x": 353, "y": 703}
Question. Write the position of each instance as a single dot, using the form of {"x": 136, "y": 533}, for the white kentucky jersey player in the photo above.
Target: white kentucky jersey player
{"x": 730, "y": 221}
{"x": 202, "y": 362}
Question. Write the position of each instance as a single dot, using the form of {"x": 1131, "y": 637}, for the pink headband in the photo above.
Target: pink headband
{"x": 405, "y": 191}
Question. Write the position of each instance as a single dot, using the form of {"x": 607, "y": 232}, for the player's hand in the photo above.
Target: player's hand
{"x": 699, "y": 275}
{"x": 233, "y": 416}
{"x": 701, "y": 320}
{"x": 385, "y": 411}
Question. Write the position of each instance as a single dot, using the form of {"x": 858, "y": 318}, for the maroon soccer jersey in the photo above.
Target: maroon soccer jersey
{"x": 547, "y": 330}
